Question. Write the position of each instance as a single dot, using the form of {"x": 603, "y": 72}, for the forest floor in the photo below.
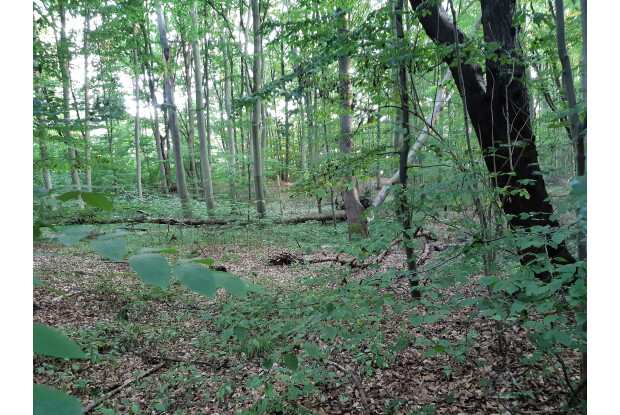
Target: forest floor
{"x": 127, "y": 328}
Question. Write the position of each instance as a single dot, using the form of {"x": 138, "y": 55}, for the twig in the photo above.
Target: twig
{"x": 123, "y": 385}
{"x": 357, "y": 381}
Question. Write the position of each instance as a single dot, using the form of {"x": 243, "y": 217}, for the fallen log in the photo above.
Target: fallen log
{"x": 199, "y": 222}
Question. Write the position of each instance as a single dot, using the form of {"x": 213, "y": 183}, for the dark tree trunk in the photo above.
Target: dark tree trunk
{"x": 499, "y": 112}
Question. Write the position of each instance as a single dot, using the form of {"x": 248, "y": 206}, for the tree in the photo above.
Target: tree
{"x": 172, "y": 116}
{"x": 205, "y": 164}
{"x": 257, "y": 70}
{"x": 499, "y": 112}
{"x": 353, "y": 206}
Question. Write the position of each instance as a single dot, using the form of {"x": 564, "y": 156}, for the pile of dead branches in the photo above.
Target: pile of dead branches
{"x": 284, "y": 258}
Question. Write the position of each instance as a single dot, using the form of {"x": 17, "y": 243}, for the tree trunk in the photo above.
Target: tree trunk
{"x": 205, "y": 164}
{"x": 403, "y": 208}
{"x": 190, "y": 112}
{"x": 172, "y": 117}
{"x": 137, "y": 118}
{"x": 89, "y": 182}
{"x": 440, "y": 102}
{"x": 64, "y": 58}
{"x": 161, "y": 160}
{"x": 257, "y": 70}
{"x": 352, "y": 203}
{"x": 499, "y": 111}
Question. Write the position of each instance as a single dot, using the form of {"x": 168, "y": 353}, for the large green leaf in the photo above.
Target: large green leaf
{"x": 151, "y": 268}
{"x": 114, "y": 249}
{"x": 50, "y": 401}
{"x": 197, "y": 278}
{"x": 313, "y": 350}
{"x": 236, "y": 285}
{"x": 70, "y": 235}
{"x": 231, "y": 283}
{"x": 69, "y": 195}
{"x": 50, "y": 342}
{"x": 97, "y": 200}
{"x": 290, "y": 360}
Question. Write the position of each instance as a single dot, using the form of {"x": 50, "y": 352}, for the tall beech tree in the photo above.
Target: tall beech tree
{"x": 257, "y": 70}
{"x": 172, "y": 116}
{"x": 500, "y": 116}
{"x": 205, "y": 164}
{"x": 353, "y": 206}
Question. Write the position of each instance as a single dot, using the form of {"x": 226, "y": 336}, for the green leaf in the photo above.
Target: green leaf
{"x": 97, "y": 200}
{"x": 267, "y": 362}
{"x": 416, "y": 320}
{"x": 70, "y": 235}
{"x": 400, "y": 308}
{"x": 563, "y": 338}
{"x": 114, "y": 249}
{"x": 50, "y": 401}
{"x": 488, "y": 280}
{"x": 312, "y": 350}
{"x": 50, "y": 342}
{"x": 241, "y": 333}
{"x": 197, "y": 278}
{"x": 231, "y": 283}
{"x": 205, "y": 261}
{"x": 40, "y": 191}
{"x": 290, "y": 361}
{"x": 431, "y": 318}
{"x": 36, "y": 281}
{"x": 330, "y": 332}
{"x": 153, "y": 269}
{"x": 469, "y": 301}
{"x": 517, "y": 307}
{"x": 68, "y": 196}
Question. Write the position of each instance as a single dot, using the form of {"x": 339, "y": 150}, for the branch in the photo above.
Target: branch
{"x": 118, "y": 389}
{"x": 440, "y": 103}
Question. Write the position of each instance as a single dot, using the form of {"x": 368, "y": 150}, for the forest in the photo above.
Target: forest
{"x": 309, "y": 207}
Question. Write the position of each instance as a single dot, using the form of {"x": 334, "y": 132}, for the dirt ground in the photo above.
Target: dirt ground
{"x": 98, "y": 293}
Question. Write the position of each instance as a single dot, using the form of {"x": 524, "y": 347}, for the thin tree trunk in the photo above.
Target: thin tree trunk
{"x": 137, "y": 118}
{"x": 287, "y": 133}
{"x": 403, "y": 208}
{"x": 87, "y": 143}
{"x": 190, "y": 111}
{"x": 258, "y": 77}
{"x": 577, "y": 136}
{"x": 440, "y": 102}
{"x": 205, "y": 164}
{"x": 352, "y": 203}
{"x": 64, "y": 58}
{"x": 172, "y": 117}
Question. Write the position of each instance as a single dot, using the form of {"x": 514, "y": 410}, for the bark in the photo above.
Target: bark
{"x": 352, "y": 203}
{"x": 287, "y": 133}
{"x": 205, "y": 164}
{"x": 576, "y": 126}
{"x": 228, "y": 107}
{"x": 64, "y": 58}
{"x": 440, "y": 102}
{"x": 161, "y": 160}
{"x": 499, "y": 112}
{"x": 190, "y": 111}
{"x": 403, "y": 203}
{"x": 257, "y": 70}
{"x": 341, "y": 215}
{"x": 87, "y": 143}
{"x": 172, "y": 117}
{"x": 137, "y": 118}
